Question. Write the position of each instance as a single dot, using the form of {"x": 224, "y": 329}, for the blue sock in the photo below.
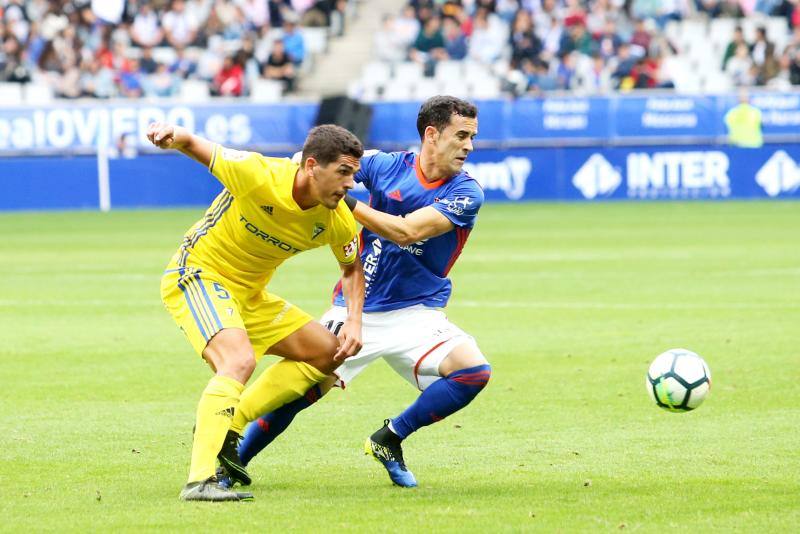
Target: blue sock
{"x": 442, "y": 398}
{"x": 264, "y": 430}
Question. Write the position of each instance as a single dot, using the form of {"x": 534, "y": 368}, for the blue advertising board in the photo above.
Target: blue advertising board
{"x": 671, "y": 172}
{"x": 528, "y": 122}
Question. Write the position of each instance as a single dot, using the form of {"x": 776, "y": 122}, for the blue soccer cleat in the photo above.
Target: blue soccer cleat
{"x": 384, "y": 446}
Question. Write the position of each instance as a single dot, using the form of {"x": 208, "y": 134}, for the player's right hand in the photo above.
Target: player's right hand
{"x": 161, "y": 134}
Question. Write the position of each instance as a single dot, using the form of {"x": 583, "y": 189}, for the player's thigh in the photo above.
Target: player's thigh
{"x": 269, "y": 319}
{"x": 463, "y": 356}
{"x": 333, "y": 320}
{"x": 311, "y": 343}
{"x": 433, "y": 339}
{"x": 200, "y": 304}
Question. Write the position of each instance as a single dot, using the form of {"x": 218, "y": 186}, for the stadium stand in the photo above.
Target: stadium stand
{"x": 188, "y": 49}
{"x": 485, "y": 48}
{"x": 259, "y": 49}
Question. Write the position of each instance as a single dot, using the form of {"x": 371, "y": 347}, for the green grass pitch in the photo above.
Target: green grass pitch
{"x": 570, "y": 302}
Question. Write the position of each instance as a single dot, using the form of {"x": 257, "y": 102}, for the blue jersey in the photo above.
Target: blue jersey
{"x": 397, "y": 277}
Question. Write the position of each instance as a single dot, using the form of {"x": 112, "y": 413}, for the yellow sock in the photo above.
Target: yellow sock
{"x": 279, "y": 384}
{"x": 214, "y": 413}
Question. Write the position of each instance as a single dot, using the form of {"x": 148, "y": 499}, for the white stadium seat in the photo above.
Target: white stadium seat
{"x": 10, "y": 94}
{"x": 486, "y": 88}
{"x": 315, "y": 39}
{"x": 397, "y": 92}
{"x": 37, "y": 94}
{"x": 194, "y": 91}
{"x": 448, "y": 70}
{"x": 376, "y": 74}
{"x": 266, "y": 91}
{"x": 407, "y": 73}
{"x": 426, "y": 88}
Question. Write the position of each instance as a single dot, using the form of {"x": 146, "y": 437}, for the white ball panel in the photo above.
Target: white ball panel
{"x": 698, "y": 395}
{"x": 690, "y": 368}
{"x": 661, "y": 365}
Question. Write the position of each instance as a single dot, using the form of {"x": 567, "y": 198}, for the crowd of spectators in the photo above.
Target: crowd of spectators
{"x": 134, "y": 48}
{"x": 586, "y": 46}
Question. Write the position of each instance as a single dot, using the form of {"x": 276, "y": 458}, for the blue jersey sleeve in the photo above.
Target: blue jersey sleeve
{"x": 374, "y": 163}
{"x": 461, "y": 204}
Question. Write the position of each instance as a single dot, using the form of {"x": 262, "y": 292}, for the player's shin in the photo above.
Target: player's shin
{"x": 214, "y": 412}
{"x": 279, "y": 384}
{"x": 442, "y": 398}
{"x": 265, "y": 429}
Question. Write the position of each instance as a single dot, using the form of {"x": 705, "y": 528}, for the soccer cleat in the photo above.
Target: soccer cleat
{"x": 384, "y": 446}
{"x": 229, "y": 459}
{"x": 210, "y": 490}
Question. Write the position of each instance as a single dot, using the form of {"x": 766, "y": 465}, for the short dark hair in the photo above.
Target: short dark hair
{"x": 325, "y": 143}
{"x": 436, "y": 112}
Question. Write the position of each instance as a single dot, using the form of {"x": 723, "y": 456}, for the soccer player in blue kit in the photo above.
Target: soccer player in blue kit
{"x": 422, "y": 209}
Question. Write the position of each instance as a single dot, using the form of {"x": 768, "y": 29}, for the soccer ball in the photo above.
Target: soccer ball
{"x": 678, "y": 380}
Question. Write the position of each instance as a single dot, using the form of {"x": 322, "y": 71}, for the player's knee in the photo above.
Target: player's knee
{"x": 239, "y": 366}
{"x": 324, "y": 353}
{"x": 476, "y": 376}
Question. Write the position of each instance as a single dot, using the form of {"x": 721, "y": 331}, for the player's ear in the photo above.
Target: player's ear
{"x": 310, "y": 164}
{"x": 431, "y": 134}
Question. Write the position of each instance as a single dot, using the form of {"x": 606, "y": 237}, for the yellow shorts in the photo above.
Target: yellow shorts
{"x": 202, "y": 305}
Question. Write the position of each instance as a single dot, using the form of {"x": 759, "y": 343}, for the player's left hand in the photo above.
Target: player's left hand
{"x": 349, "y": 340}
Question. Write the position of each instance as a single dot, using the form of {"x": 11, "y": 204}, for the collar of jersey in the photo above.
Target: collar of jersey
{"x": 421, "y": 175}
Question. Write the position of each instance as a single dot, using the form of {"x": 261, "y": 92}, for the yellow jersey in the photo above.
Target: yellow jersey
{"x": 255, "y": 224}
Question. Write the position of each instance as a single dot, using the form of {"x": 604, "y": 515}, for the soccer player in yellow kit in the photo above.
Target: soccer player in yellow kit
{"x": 214, "y": 286}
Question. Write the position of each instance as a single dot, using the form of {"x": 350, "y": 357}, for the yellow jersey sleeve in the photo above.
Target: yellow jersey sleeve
{"x": 344, "y": 238}
{"x": 239, "y": 171}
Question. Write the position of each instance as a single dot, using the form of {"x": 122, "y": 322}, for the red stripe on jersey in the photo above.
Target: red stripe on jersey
{"x": 336, "y": 290}
{"x": 461, "y": 239}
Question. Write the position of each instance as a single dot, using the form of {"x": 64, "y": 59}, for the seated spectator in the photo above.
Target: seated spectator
{"x": 146, "y": 30}
{"x": 407, "y": 27}
{"x": 565, "y": 72}
{"x": 455, "y": 42}
{"x": 641, "y": 35}
{"x": 161, "y": 83}
{"x": 387, "y": 43}
{"x": 730, "y": 50}
{"x": 770, "y": 67}
{"x": 551, "y": 38}
{"x": 758, "y": 50}
{"x": 147, "y": 64}
{"x": 782, "y": 81}
{"x": 97, "y": 80}
{"x": 739, "y": 67}
{"x": 212, "y": 59}
{"x": 180, "y": 25}
{"x": 577, "y": 39}
{"x": 429, "y": 45}
{"x": 488, "y": 39}
{"x": 293, "y": 41}
{"x": 279, "y": 66}
{"x": 130, "y": 80}
{"x": 229, "y": 81}
{"x": 624, "y": 63}
{"x": 524, "y": 43}
{"x": 12, "y": 66}
{"x": 593, "y": 76}
{"x": 608, "y": 42}
{"x": 541, "y": 79}
{"x": 182, "y": 66}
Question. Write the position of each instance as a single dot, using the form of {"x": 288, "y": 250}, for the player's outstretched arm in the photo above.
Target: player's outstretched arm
{"x": 418, "y": 225}
{"x": 353, "y": 291}
{"x": 164, "y": 135}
